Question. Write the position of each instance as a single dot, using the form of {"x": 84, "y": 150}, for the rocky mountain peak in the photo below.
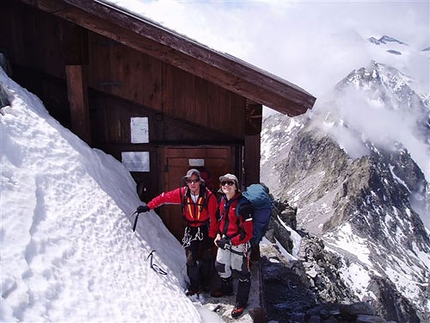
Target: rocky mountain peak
{"x": 385, "y": 40}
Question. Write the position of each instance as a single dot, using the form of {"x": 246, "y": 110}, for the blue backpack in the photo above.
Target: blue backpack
{"x": 258, "y": 196}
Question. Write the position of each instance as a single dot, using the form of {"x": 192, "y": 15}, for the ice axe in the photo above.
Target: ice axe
{"x": 135, "y": 220}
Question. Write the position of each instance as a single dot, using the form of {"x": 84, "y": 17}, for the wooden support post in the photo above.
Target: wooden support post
{"x": 253, "y": 121}
{"x": 78, "y": 98}
{"x": 252, "y": 159}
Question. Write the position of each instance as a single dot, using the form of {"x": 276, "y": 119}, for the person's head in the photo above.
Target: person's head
{"x": 193, "y": 180}
{"x": 229, "y": 184}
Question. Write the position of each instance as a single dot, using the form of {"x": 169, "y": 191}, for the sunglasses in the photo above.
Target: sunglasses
{"x": 193, "y": 181}
{"x": 229, "y": 183}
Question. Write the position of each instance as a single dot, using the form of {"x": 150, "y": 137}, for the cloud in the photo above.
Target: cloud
{"x": 353, "y": 117}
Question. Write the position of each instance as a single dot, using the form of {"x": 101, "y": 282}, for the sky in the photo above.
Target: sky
{"x": 68, "y": 251}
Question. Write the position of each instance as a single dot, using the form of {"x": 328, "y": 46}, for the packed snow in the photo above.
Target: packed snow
{"x": 68, "y": 251}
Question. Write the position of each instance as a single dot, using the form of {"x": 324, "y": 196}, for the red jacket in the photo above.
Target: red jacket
{"x": 238, "y": 228}
{"x": 196, "y": 214}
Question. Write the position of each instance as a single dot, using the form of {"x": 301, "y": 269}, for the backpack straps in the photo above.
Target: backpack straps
{"x": 183, "y": 196}
{"x": 246, "y": 207}
{"x": 241, "y": 202}
{"x": 226, "y": 209}
{"x": 202, "y": 200}
{"x": 206, "y": 196}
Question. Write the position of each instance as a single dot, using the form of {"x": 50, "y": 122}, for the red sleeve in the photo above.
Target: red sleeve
{"x": 171, "y": 197}
{"x": 248, "y": 229}
{"x": 212, "y": 209}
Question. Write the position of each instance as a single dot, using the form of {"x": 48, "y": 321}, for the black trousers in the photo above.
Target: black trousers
{"x": 200, "y": 260}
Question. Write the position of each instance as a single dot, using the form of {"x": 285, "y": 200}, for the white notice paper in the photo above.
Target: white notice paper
{"x": 136, "y": 161}
{"x": 139, "y": 130}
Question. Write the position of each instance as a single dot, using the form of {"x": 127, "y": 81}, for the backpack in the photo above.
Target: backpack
{"x": 258, "y": 196}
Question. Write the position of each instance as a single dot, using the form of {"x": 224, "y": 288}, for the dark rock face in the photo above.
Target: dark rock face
{"x": 4, "y": 100}
{"x": 282, "y": 213}
{"x": 291, "y": 295}
{"x": 393, "y": 305}
{"x": 286, "y": 297}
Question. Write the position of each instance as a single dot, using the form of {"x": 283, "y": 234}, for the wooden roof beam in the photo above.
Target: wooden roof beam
{"x": 154, "y": 40}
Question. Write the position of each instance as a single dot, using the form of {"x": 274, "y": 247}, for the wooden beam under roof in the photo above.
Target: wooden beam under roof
{"x": 152, "y": 39}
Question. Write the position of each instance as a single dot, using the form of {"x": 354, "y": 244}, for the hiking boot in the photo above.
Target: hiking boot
{"x": 226, "y": 288}
{"x": 206, "y": 288}
{"x": 237, "y": 310}
{"x": 193, "y": 291}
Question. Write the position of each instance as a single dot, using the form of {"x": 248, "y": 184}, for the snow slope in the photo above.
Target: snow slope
{"x": 68, "y": 252}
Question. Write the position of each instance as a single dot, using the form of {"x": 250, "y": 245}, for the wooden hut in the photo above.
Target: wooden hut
{"x": 154, "y": 99}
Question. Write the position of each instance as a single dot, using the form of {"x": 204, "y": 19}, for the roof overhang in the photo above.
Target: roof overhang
{"x": 155, "y": 40}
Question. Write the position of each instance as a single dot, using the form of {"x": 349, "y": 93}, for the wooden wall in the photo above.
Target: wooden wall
{"x": 142, "y": 79}
{"x": 40, "y": 42}
{"x": 182, "y": 109}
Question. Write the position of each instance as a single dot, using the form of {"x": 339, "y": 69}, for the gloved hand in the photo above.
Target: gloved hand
{"x": 224, "y": 243}
{"x": 142, "y": 209}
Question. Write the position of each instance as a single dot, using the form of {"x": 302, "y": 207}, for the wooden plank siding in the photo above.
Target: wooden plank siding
{"x": 78, "y": 99}
{"x": 31, "y": 39}
{"x": 146, "y": 81}
{"x": 119, "y": 70}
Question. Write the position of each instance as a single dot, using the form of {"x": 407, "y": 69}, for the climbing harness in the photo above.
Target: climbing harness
{"x": 188, "y": 238}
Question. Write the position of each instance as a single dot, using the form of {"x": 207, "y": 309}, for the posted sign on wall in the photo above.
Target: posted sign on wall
{"x": 136, "y": 161}
{"x": 139, "y": 130}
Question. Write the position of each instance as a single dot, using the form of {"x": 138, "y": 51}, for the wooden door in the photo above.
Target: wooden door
{"x": 177, "y": 161}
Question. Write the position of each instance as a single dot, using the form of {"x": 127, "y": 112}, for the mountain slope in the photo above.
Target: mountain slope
{"x": 356, "y": 168}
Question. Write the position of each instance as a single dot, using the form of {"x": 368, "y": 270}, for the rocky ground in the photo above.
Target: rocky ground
{"x": 288, "y": 298}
